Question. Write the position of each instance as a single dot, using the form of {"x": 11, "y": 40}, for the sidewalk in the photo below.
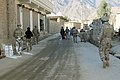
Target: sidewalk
{"x": 7, "y": 64}
{"x": 91, "y": 65}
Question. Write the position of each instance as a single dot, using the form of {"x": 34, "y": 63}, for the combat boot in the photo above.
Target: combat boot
{"x": 104, "y": 64}
{"x": 107, "y": 63}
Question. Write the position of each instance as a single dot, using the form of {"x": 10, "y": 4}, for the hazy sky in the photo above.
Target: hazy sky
{"x": 97, "y": 2}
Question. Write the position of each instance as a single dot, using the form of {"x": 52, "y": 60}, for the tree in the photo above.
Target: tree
{"x": 66, "y": 18}
{"x": 103, "y": 8}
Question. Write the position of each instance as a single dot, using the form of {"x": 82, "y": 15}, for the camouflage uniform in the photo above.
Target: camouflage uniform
{"x": 105, "y": 43}
{"x": 18, "y": 34}
{"x": 28, "y": 35}
{"x": 75, "y": 32}
{"x": 35, "y": 35}
{"x": 83, "y": 35}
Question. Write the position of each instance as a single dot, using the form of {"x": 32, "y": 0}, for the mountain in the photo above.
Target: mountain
{"x": 58, "y": 5}
{"x": 79, "y": 9}
{"x": 114, "y": 2}
{"x": 74, "y": 9}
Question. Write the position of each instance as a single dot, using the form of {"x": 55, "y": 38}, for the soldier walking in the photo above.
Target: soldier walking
{"x": 75, "y": 32}
{"x": 119, "y": 34}
{"x": 28, "y": 35}
{"x": 105, "y": 42}
{"x": 18, "y": 35}
{"x": 67, "y": 32}
{"x": 62, "y": 32}
{"x": 36, "y": 35}
{"x": 83, "y": 35}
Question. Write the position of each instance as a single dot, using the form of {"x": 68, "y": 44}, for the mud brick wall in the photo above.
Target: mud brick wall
{"x": 7, "y": 21}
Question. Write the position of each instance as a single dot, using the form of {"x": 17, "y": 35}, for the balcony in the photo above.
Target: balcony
{"x": 42, "y": 5}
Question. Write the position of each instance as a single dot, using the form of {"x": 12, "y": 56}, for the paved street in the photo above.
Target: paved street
{"x": 56, "y": 61}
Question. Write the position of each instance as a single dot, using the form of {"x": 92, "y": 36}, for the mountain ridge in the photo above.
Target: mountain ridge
{"x": 79, "y": 9}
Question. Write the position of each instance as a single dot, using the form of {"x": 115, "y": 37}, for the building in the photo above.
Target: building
{"x": 73, "y": 24}
{"x": 27, "y": 13}
{"x": 33, "y": 13}
{"x": 55, "y": 23}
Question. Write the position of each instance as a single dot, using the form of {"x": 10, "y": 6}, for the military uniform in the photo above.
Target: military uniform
{"x": 105, "y": 43}
{"x": 18, "y": 34}
{"x": 67, "y": 32}
{"x": 83, "y": 35}
{"x": 28, "y": 35}
{"x": 35, "y": 35}
{"x": 75, "y": 32}
{"x": 62, "y": 32}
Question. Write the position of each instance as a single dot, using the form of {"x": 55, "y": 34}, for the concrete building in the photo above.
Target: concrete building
{"x": 55, "y": 23}
{"x": 33, "y": 12}
{"x": 27, "y": 13}
{"x": 73, "y": 24}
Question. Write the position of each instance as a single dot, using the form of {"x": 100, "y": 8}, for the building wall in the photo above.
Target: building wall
{"x": 26, "y": 18}
{"x": 7, "y": 21}
{"x": 54, "y": 27}
{"x": 115, "y": 17}
{"x": 31, "y": 17}
{"x": 55, "y": 24}
{"x": 72, "y": 24}
{"x": 115, "y": 20}
{"x": 62, "y": 22}
{"x": 35, "y": 19}
{"x": 3, "y": 21}
{"x": 77, "y": 25}
{"x": 10, "y": 17}
{"x": 18, "y": 15}
{"x": 117, "y": 24}
{"x": 69, "y": 25}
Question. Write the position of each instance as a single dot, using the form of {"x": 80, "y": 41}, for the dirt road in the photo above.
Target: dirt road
{"x": 57, "y": 61}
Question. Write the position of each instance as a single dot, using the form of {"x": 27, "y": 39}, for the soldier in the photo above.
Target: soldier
{"x": 83, "y": 35}
{"x": 36, "y": 34}
{"x": 75, "y": 32}
{"x": 62, "y": 32}
{"x": 67, "y": 32}
{"x": 18, "y": 35}
{"x": 119, "y": 33}
{"x": 29, "y": 35}
{"x": 105, "y": 42}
